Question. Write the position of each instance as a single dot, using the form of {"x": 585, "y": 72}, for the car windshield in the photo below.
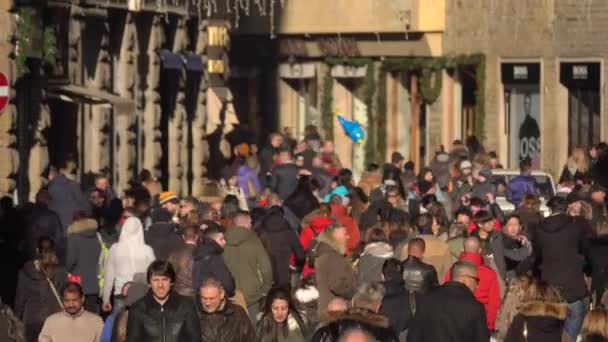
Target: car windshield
{"x": 543, "y": 184}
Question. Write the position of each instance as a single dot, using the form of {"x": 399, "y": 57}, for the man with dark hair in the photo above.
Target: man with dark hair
{"x": 452, "y": 313}
{"x": 398, "y": 305}
{"x": 163, "y": 315}
{"x": 363, "y": 314}
{"x": 66, "y": 196}
{"x": 436, "y": 251}
{"x": 73, "y": 324}
{"x": 41, "y": 221}
{"x": 268, "y": 153}
{"x": 208, "y": 260}
{"x": 284, "y": 176}
{"x": 521, "y": 185}
{"x": 562, "y": 250}
{"x": 182, "y": 260}
{"x": 163, "y": 235}
{"x": 493, "y": 247}
{"x": 418, "y": 276}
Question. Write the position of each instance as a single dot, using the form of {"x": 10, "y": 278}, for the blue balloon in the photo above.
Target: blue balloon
{"x": 352, "y": 128}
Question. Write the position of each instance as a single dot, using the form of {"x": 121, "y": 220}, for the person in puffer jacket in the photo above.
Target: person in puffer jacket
{"x": 340, "y": 212}
{"x": 317, "y": 226}
{"x": 377, "y": 250}
{"x": 487, "y": 291}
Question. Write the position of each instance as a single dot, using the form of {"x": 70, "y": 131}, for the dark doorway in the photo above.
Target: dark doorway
{"x": 583, "y": 83}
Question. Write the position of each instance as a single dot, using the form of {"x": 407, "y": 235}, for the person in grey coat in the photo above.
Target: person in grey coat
{"x": 376, "y": 252}
{"x": 82, "y": 259}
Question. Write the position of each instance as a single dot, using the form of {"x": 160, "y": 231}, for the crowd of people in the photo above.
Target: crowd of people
{"x": 296, "y": 249}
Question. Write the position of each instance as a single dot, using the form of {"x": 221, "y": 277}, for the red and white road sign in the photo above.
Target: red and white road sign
{"x": 3, "y": 92}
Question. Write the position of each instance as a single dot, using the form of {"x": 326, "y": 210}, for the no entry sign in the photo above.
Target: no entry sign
{"x": 3, "y": 92}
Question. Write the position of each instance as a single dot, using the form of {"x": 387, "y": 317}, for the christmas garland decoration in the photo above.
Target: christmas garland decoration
{"x": 327, "y": 101}
{"x": 429, "y": 69}
{"x": 430, "y": 85}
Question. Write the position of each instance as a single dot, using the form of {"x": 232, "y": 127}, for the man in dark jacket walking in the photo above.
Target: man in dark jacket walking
{"x": 562, "y": 255}
{"x": 364, "y": 315}
{"x": 280, "y": 242}
{"x": 66, "y": 196}
{"x": 163, "y": 315}
{"x": 452, "y": 314}
{"x": 398, "y": 305}
{"x": 163, "y": 236}
{"x": 418, "y": 276}
{"x": 209, "y": 263}
{"x": 182, "y": 261}
{"x": 84, "y": 247}
{"x": 220, "y": 319}
{"x": 267, "y": 154}
{"x": 41, "y": 221}
{"x": 284, "y": 177}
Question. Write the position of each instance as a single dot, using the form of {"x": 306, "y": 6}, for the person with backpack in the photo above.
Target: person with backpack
{"x": 309, "y": 234}
{"x": 280, "y": 242}
{"x": 334, "y": 272}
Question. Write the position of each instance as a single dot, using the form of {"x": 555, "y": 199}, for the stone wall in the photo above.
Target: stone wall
{"x": 544, "y": 31}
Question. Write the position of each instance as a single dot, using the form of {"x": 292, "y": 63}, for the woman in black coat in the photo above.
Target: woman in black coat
{"x": 36, "y": 299}
{"x": 281, "y": 242}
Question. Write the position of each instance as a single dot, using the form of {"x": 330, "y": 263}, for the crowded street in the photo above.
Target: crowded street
{"x": 303, "y": 171}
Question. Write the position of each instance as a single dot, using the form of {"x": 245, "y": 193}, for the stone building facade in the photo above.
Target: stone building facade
{"x": 132, "y": 86}
{"x": 553, "y": 50}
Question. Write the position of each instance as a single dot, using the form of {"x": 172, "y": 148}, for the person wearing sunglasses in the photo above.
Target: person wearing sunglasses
{"x": 452, "y": 313}
{"x": 485, "y": 284}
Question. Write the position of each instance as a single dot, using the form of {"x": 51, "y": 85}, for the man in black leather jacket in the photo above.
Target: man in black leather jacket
{"x": 163, "y": 315}
{"x": 418, "y": 276}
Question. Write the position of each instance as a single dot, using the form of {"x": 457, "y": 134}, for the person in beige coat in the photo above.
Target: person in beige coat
{"x": 74, "y": 323}
{"x": 437, "y": 252}
{"x": 333, "y": 269}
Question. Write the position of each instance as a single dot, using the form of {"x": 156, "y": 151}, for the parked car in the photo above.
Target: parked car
{"x": 544, "y": 185}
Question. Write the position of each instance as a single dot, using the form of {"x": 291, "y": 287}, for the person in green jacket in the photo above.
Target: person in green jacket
{"x": 248, "y": 262}
{"x": 281, "y": 321}
{"x": 456, "y": 237}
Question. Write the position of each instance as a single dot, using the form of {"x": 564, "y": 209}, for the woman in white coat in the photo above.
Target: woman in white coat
{"x": 129, "y": 256}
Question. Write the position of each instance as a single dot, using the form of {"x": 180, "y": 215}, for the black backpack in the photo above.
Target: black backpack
{"x": 311, "y": 252}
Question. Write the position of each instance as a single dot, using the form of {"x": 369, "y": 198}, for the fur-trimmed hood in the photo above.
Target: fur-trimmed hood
{"x": 360, "y": 315}
{"x": 81, "y": 226}
{"x": 542, "y": 309}
{"x": 327, "y": 244}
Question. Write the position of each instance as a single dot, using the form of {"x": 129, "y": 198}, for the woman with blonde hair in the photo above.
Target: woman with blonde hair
{"x": 595, "y": 326}
{"x": 577, "y": 167}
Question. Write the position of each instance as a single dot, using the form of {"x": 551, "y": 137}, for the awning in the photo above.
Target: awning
{"x": 74, "y": 93}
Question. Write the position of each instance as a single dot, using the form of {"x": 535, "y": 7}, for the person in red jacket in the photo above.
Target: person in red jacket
{"x": 341, "y": 213}
{"x": 488, "y": 290}
{"x": 317, "y": 226}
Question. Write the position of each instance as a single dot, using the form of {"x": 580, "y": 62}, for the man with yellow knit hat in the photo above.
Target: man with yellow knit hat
{"x": 169, "y": 200}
